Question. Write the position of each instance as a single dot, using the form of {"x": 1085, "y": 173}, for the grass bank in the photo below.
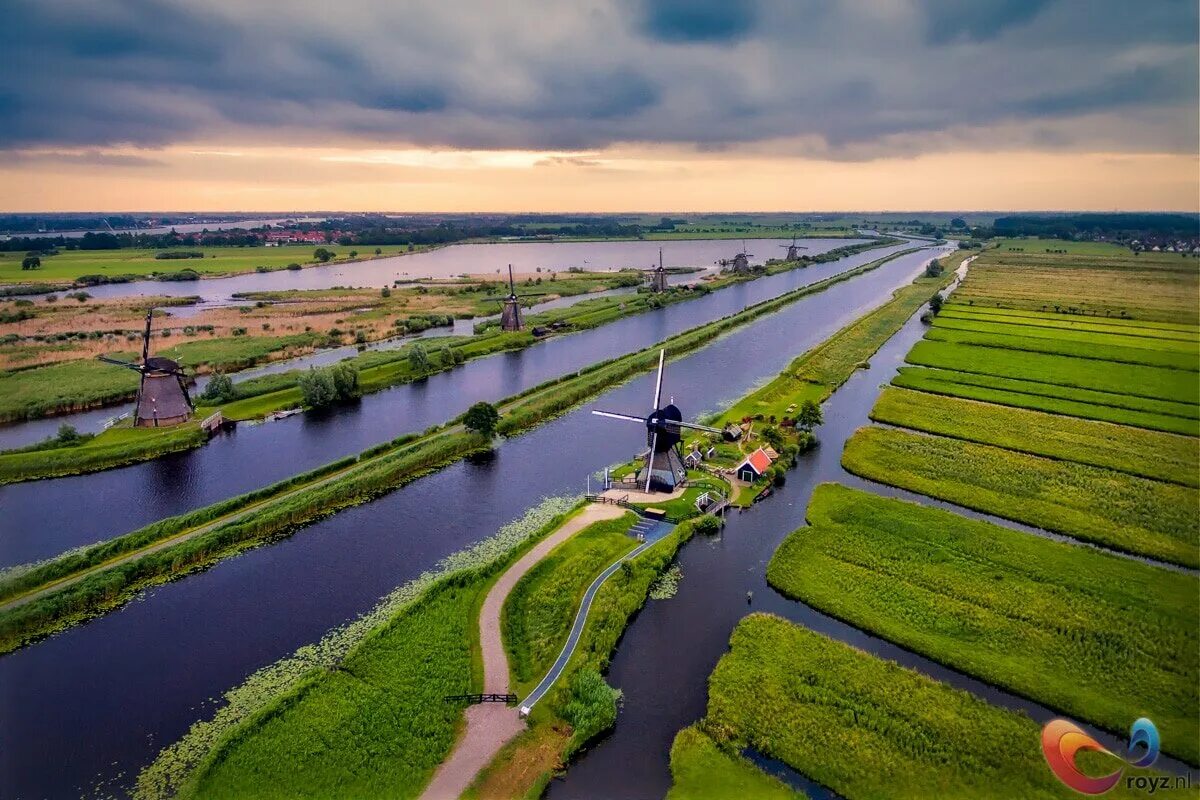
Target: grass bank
{"x": 702, "y": 770}
{"x": 1102, "y": 638}
{"x": 799, "y": 697}
{"x": 1121, "y": 511}
{"x": 115, "y": 447}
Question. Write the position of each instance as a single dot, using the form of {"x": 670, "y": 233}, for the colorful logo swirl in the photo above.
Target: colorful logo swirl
{"x": 1061, "y": 740}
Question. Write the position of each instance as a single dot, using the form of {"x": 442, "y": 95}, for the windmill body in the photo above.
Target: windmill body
{"x": 510, "y": 317}
{"x": 740, "y": 262}
{"x": 162, "y": 397}
{"x": 662, "y": 467}
{"x": 658, "y": 277}
{"x": 793, "y": 250}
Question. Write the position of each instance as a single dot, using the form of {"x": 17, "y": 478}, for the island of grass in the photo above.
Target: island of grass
{"x": 1099, "y": 637}
{"x": 865, "y": 727}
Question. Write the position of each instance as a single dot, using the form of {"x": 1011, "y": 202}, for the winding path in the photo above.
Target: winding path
{"x": 491, "y": 725}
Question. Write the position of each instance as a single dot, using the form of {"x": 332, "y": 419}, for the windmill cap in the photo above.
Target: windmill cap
{"x": 163, "y": 364}
{"x": 669, "y": 413}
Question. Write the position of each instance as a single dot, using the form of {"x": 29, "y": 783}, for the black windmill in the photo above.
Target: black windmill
{"x": 162, "y": 397}
{"x": 740, "y": 262}
{"x": 793, "y": 250}
{"x": 510, "y": 317}
{"x": 663, "y": 468}
{"x": 658, "y": 277}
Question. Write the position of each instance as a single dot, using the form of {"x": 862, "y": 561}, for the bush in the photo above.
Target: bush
{"x": 592, "y": 707}
{"x": 219, "y": 389}
{"x": 31, "y": 262}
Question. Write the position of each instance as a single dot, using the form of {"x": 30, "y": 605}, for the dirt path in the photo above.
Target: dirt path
{"x": 491, "y": 725}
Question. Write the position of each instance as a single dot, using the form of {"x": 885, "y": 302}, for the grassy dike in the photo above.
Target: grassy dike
{"x": 54, "y": 594}
{"x": 361, "y": 714}
{"x": 378, "y": 370}
{"x": 863, "y": 726}
{"x": 1102, "y": 638}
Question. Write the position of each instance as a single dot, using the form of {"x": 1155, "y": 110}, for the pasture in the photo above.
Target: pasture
{"x": 1102, "y": 638}
{"x": 1141, "y": 412}
{"x": 1149, "y": 454}
{"x": 797, "y": 696}
{"x": 1121, "y": 511}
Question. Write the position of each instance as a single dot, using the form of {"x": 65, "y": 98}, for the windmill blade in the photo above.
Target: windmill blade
{"x": 128, "y": 364}
{"x": 512, "y": 287}
{"x": 650, "y": 460}
{"x": 662, "y": 356}
{"x": 146, "y": 337}
{"x": 614, "y": 415}
{"x": 697, "y": 427}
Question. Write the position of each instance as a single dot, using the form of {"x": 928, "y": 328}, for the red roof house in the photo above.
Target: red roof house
{"x": 754, "y": 467}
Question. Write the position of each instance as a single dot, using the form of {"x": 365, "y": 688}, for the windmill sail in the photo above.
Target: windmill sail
{"x": 162, "y": 396}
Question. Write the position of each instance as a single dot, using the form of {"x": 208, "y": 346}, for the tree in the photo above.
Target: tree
{"x": 317, "y": 388}
{"x": 934, "y": 268}
{"x": 67, "y": 435}
{"x": 447, "y": 356}
{"x": 809, "y": 417}
{"x": 354, "y": 254}
{"x": 935, "y": 303}
{"x": 418, "y": 358}
{"x": 322, "y": 255}
{"x": 385, "y": 292}
{"x": 345, "y": 380}
{"x": 481, "y": 418}
{"x": 378, "y": 251}
{"x": 958, "y": 222}
{"x": 31, "y": 262}
{"x": 219, "y": 389}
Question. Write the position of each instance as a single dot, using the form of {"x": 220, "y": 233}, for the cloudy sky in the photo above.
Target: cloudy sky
{"x": 599, "y": 104}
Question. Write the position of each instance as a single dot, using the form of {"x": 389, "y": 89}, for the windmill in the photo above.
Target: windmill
{"x": 740, "y": 262}
{"x": 162, "y": 397}
{"x": 658, "y": 277}
{"x": 510, "y": 317}
{"x": 663, "y": 468}
{"x": 792, "y": 249}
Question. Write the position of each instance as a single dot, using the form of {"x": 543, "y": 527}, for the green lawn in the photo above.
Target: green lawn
{"x": 1150, "y": 454}
{"x": 218, "y": 260}
{"x": 1115, "y": 509}
{"x": 1033, "y": 246}
{"x": 1013, "y": 339}
{"x": 1123, "y": 409}
{"x": 540, "y": 609}
{"x": 69, "y": 385}
{"x": 866, "y": 727}
{"x": 116, "y": 446}
{"x": 700, "y": 770}
{"x": 1102, "y": 638}
{"x": 1144, "y": 338}
{"x": 1158, "y": 329}
{"x": 1083, "y": 373}
{"x": 684, "y": 506}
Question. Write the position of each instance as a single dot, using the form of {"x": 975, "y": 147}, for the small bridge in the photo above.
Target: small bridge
{"x": 472, "y": 699}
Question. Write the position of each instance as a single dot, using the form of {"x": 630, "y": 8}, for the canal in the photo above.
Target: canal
{"x": 83, "y": 710}
{"x": 45, "y": 518}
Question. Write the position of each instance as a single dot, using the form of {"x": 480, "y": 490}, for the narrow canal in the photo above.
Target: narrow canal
{"x": 664, "y": 693}
{"x": 44, "y": 518}
{"x": 84, "y": 710}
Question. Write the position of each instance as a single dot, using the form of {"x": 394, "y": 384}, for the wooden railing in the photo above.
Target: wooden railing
{"x": 472, "y": 699}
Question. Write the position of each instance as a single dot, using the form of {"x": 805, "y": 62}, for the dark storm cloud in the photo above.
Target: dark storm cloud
{"x": 839, "y": 80}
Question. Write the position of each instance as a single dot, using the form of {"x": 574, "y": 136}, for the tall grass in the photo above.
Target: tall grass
{"x": 1014, "y": 339}
{"x": 866, "y": 727}
{"x": 701, "y": 770}
{"x": 1161, "y": 456}
{"x": 1102, "y": 638}
{"x": 113, "y": 448}
{"x": 1121, "y": 511}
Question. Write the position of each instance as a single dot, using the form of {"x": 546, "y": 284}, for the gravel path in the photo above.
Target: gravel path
{"x": 491, "y": 725}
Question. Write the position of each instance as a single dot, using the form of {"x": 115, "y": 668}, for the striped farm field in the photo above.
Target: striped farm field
{"x": 1068, "y": 322}
{"x": 1015, "y": 339}
{"x": 1141, "y": 412}
{"x": 1121, "y": 511}
{"x": 1084, "y": 373}
{"x": 1160, "y": 456}
{"x": 1140, "y": 338}
{"x": 1100, "y": 637}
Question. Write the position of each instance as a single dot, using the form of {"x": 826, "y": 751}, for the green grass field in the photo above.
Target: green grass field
{"x": 538, "y": 612}
{"x": 1115, "y": 509}
{"x": 700, "y": 770}
{"x": 866, "y": 727}
{"x": 1017, "y": 316}
{"x": 1150, "y": 454}
{"x": 1014, "y": 339}
{"x": 71, "y": 385}
{"x": 1123, "y": 409}
{"x": 116, "y": 446}
{"x": 1145, "y": 338}
{"x": 1102, "y": 638}
{"x": 818, "y": 372}
{"x": 1083, "y": 373}
{"x": 1034, "y": 246}
{"x": 218, "y": 260}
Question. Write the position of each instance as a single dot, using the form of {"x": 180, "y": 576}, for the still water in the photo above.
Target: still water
{"x": 85, "y": 709}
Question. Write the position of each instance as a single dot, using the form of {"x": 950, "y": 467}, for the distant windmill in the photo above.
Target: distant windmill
{"x": 663, "y": 468}
{"x": 162, "y": 397}
{"x": 740, "y": 262}
{"x": 510, "y": 318}
{"x": 658, "y": 277}
{"x": 793, "y": 249}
